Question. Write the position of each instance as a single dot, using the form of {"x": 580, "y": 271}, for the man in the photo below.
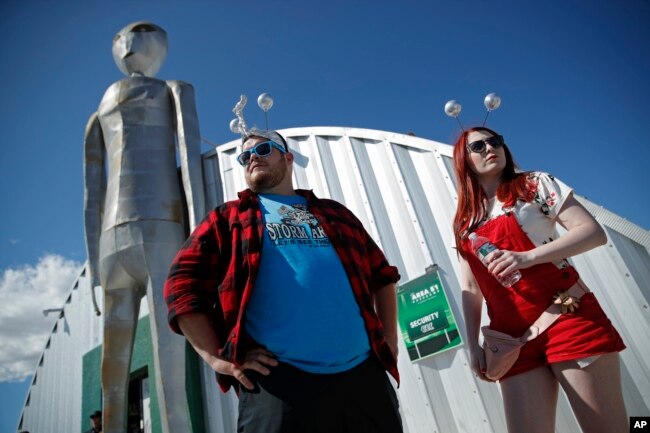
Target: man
{"x": 95, "y": 422}
{"x": 289, "y": 299}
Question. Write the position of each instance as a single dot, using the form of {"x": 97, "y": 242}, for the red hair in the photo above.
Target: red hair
{"x": 472, "y": 201}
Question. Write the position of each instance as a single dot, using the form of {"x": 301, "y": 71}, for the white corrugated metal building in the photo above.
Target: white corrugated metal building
{"x": 403, "y": 189}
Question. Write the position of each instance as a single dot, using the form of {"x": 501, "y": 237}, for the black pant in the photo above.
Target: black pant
{"x": 289, "y": 400}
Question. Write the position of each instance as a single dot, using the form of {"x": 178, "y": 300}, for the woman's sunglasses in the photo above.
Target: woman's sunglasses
{"x": 262, "y": 149}
{"x": 478, "y": 146}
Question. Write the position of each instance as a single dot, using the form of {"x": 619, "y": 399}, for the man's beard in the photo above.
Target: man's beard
{"x": 264, "y": 181}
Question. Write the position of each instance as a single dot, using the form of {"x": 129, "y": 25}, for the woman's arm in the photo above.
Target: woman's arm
{"x": 472, "y": 305}
{"x": 583, "y": 234}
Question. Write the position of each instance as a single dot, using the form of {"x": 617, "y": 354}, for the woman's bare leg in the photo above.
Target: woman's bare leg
{"x": 595, "y": 393}
{"x": 530, "y": 401}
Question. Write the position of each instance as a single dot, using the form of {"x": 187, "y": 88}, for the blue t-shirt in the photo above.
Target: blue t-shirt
{"x": 303, "y": 309}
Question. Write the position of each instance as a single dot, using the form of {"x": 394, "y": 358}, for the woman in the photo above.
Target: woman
{"x": 518, "y": 212}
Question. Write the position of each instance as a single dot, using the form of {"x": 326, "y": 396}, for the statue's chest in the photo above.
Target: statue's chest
{"x": 135, "y": 98}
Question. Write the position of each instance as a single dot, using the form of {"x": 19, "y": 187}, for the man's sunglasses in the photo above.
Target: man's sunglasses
{"x": 262, "y": 149}
{"x": 478, "y": 146}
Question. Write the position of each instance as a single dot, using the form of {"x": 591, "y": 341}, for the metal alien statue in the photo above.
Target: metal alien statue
{"x": 134, "y": 215}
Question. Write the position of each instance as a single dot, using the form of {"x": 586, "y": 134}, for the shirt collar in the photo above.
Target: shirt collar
{"x": 247, "y": 194}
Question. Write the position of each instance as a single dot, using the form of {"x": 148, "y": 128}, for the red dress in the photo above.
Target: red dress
{"x": 584, "y": 333}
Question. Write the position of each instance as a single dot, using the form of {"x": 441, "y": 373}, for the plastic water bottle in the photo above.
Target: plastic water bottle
{"x": 482, "y": 247}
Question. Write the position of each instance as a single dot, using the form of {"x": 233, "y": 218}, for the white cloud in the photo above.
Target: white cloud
{"x": 24, "y": 293}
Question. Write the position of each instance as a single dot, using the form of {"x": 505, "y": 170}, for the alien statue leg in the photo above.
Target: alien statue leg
{"x": 121, "y": 316}
{"x": 122, "y": 295}
{"x": 168, "y": 347}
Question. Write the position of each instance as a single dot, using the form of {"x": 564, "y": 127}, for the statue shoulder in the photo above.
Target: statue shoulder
{"x": 179, "y": 83}
{"x": 178, "y": 87}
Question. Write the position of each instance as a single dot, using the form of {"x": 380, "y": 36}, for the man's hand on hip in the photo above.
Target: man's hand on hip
{"x": 257, "y": 359}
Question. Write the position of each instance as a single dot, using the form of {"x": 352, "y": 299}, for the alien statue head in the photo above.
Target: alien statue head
{"x": 140, "y": 49}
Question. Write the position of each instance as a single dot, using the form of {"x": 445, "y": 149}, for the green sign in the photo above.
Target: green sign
{"x": 427, "y": 322}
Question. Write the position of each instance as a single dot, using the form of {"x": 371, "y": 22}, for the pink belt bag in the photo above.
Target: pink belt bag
{"x": 502, "y": 350}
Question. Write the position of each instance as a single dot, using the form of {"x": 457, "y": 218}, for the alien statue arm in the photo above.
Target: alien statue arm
{"x": 189, "y": 149}
{"x": 94, "y": 195}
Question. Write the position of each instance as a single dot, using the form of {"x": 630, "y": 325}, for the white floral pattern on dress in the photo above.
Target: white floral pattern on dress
{"x": 538, "y": 216}
{"x": 546, "y": 192}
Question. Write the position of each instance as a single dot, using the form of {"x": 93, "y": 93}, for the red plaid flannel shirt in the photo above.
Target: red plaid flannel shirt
{"x": 214, "y": 272}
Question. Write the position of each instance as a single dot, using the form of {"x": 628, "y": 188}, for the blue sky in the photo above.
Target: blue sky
{"x": 572, "y": 76}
